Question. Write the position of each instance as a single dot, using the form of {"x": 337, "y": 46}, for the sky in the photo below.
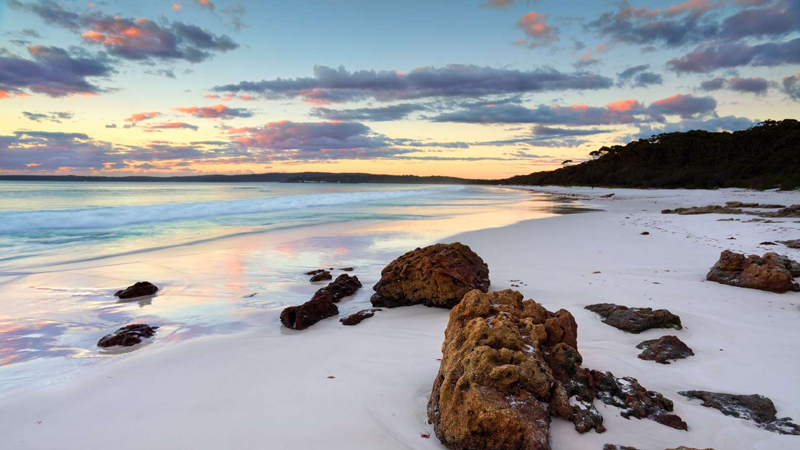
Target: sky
{"x": 475, "y": 89}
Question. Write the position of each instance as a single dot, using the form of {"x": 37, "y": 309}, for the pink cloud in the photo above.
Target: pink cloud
{"x": 623, "y": 105}
{"x": 214, "y": 112}
{"x": 138, "y": 117}
{"x": 536, "y": 27}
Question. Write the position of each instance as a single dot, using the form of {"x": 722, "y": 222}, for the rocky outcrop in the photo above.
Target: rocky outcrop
{"x": 664, "y": 349}
{"x": 139, "y": 289}
{"x": 635, "y": 320}
{"x": 753, "y": 205}
{"x": 771, "y": 272}
{"x": 322, "y": 305}
{"x": 357, "y": 318}
{"x": 127, "y": 336}
{"x": 624, "y": 447}
{"x": 735, "y": 208}
{"x": 710, "y": 209}
{"x": 438, "y": 275}
{"x": 321, "y": 276}
{"x": 793, "y": 243}
{"x": 754, "y": 407}
{"x": 508, "y": 365}
{"x": 789, "y": 211}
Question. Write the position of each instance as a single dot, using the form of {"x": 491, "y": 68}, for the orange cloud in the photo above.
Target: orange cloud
{"x": 623, "y": 105}
{"x": 4, "y": 94}
{"x": 138, "y": 117}
{"x": 176, "y": 7}
{"x": 213, "y": 96}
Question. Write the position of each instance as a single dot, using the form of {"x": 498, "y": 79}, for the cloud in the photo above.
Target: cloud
{"x": 52, "y": 71}
{"x": 693, "y": 7}
{"x": 755, "y": 85}
{"x": 380, "y": 114}
{"x": 498, "y": 4}
{"x": 586, "y": 60}
{"x": 135, "y": 39}
{"x": 620, "y": 112}
{"x": 330, "y": 85}
{"x": 215, "y": 112}
{"x": 167, "y": 73}
{"x": 56, "y": 117}
{"x": 710, "y": 57}
{"x": 172, "y": 125}
{"x": 727, "y": 123}
{"x": 778, "y": 18}
{"x": 235, "y": 14}
{"x": 791, "y": 86}
{"x": 207, "y": 4}
{"x": 638, "y": 76}
{"x": 138, "y": 117}
{"x": 713, "y": 84}
{"x": 538, "y": 32}
{"x": 176, "y": 7}
{"x": 686, "y": 106}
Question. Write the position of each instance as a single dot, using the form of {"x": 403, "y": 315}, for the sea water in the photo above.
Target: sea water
{"x": 227, "y": 256}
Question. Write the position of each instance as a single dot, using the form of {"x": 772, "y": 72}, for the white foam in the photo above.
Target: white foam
{"x": 16, "y": 222}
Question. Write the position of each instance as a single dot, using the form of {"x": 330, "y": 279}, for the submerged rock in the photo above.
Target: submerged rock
{"x": 664, "y": 349}
{"x": 316, "y": 271}
{"x": 754, "y": 407}
{"x": 140, "y": 289}
{"x": 128, "y": 335}
{"x": 357, "y": 318}
{"x": 771, "y": 272}
{"x": 438, "y": 275}
{"x": 508, "y": 365}
{"x": 322, "y": 305}
{"x": 635, "y": 320}
{"x": 321, "y": 276}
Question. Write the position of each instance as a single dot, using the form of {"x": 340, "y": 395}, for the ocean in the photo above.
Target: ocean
{"x": 227, "y": 256}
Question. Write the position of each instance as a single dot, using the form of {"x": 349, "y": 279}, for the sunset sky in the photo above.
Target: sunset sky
{"x": 447, "y": 87}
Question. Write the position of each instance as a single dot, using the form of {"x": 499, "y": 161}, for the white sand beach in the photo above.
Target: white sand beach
{"x": 366, "y": 387}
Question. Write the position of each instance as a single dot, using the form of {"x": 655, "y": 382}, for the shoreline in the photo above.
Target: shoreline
{"x": 262, "y": 387}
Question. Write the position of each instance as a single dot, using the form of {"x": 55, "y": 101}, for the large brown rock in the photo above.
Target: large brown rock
{"x": 635, "y": 320}
{"x": 508, "y": 365}
{"x": 771, "y": 272}
{"x": 664, "y": 349}
{"x": 438, "y": 275}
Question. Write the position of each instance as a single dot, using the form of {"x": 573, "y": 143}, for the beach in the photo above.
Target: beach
{"x": 250, "y": 383}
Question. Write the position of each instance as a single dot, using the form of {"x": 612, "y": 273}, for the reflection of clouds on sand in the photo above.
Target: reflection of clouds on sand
{"x": 24, "y": 340}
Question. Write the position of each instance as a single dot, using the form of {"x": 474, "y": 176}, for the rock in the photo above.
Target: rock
{"x": 794, "y": 243}
{"x": 315, "y": 272}
{"x": 307, "y": 314}
{"x": 128, "y": 335}
{"x": 322, "y": 305}
{"x": 347, "y": 269}
{"x": 752, "y": 205}
{"x": 139, "y": 289}
{"x": 607, "y": 195}
{"x": 321, "y": 276}
{"x": 355, "y": 319}
{"x": 343, "y": 286}
{"x": 635, "y": 320}
{"x": 635, "y": 400}
{"x": 624, "y": 447}
{"x": 789, "y": 211}
{"x": 754, "y": 407}
{"x": 438, "y": 275}
{"x": 767, "y": 243}
{"x": 663, "y": 349}
{"x": 645, "y": 233}
{"x": 508, "y": 365}
{"x": 771, "y": 272}
{"x": 710, "y": 209}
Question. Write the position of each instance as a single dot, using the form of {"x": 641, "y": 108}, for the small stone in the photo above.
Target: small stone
{"x": 664, "y": 349}
{"x": 753, "y": 407}
{"x": 635, "y": 320}
{"x": 140, "y": 289}
{"x": 357, "y": 318}
{"x": 645, "y": 233}
{"x": 128, "y": 335}
{"x": 321, "y": 276}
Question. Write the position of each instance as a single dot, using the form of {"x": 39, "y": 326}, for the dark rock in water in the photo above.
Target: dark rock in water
{"x": 355, "y": 319}
{"x": 322, "y": 305}
{"x": 343, "y": 286}
{"x": 645, "y": 233}
{"x": 635, "y": 400}
{"x": 307, "y": 314}
{"x": 793, "y": 243}
{"x": 754, "y": 407}
{"x": 664, "y": 349}
{"x": 767, "y": 243}
{"x": 635, "y": 320}
{"x": 771, "y": 272}
{"x": 321, "y": 276}
{"x": 315, "y": 272}
{"x": 347, "y": 269}
{"x": 139, "y": 289}
{"x": 128, "y": 335}
{"x": 508, "y": 365}
{"x": 438, "y": 275}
